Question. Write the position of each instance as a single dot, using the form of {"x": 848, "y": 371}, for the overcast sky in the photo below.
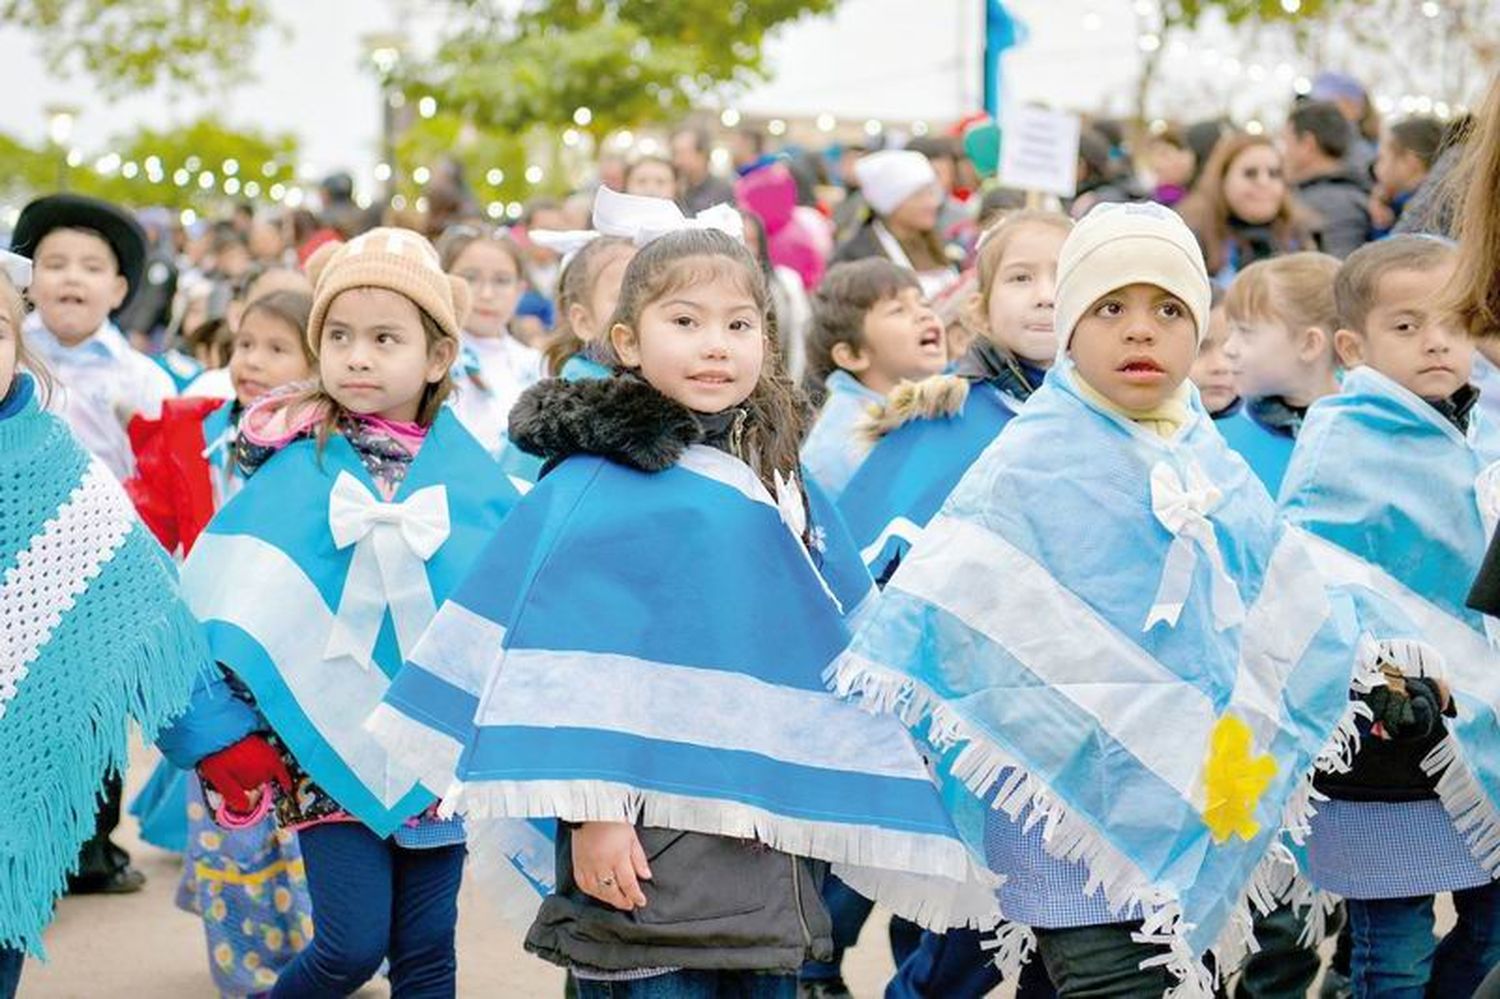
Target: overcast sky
{"x": 903, "y": 59}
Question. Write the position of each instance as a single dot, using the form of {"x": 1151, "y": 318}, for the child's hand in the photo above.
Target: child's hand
{"x": 609, "y": 864}
{"x": 238, "y": 772}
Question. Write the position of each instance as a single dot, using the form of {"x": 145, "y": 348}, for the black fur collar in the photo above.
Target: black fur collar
{"x": 622, "y": 419}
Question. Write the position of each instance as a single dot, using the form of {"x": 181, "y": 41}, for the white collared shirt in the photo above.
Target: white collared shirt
{"x": 508, "y": 367}
{"x": 99, "y": 385}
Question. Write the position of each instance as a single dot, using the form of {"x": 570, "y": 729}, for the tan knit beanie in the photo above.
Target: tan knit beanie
{"x": 398, "y": 260}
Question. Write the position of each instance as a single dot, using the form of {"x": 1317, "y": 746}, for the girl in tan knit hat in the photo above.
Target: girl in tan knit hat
{"x": 367, "y": 500}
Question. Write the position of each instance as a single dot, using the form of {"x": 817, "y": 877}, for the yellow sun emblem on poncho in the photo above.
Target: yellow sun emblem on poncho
{"x": 1234, "y": 780}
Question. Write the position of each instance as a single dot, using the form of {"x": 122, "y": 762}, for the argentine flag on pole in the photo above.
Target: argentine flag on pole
{"x": 1094, "y": 635}
{"x": 1397, "y": 505}
{"x": 651, "y": 647}
{"x": 312, "y": 589}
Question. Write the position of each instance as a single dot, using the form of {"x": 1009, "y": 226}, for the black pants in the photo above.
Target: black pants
{"x": 100, "y": 859}
{"x": 1283, "y": 968}
{"x": 1101, "y": 962}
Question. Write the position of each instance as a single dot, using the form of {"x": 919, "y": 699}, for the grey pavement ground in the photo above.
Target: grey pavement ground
{"x": 143, "y": 945}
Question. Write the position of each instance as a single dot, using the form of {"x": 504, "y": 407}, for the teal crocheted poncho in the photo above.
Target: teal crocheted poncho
{"x": 92, "y": 635}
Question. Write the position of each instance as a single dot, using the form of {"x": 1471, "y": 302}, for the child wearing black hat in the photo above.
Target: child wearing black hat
{"x": 88, "y": 257}
{"x": 87, "y": 261}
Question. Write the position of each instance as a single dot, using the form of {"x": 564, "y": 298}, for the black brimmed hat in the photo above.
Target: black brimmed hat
{"x": 114, "y": 225}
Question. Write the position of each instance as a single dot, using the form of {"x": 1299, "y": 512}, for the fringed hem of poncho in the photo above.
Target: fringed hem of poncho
{"x": 151, "y": 686}
{"x": 1070, "y": 837}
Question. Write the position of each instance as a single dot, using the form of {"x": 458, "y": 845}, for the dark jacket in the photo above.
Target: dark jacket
{"x": 862, "y": 245}
{"x": 712, "y": 190}
{"x": 714, "y": 903}
{"x": 1342, "y": 209}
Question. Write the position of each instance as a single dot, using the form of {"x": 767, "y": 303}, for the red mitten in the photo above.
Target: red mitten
{"x": 244, "y": 767}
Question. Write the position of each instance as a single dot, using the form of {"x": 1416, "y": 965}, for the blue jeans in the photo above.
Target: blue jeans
{"x": 1396, "y": 955}
{"x": 11, "y": 961}
{"x": 849, "y": 910}
{"x": 695, "y": 985}
{"x": 372, "y": 901}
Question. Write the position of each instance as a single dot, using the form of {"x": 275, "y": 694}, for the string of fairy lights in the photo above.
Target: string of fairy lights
{"x": 288, "y": 184}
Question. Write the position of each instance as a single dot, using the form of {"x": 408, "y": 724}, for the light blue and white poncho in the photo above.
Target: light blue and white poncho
{"x": 1069, "y": 632}
{"x": 1396, "y": 506}
{"x": 903, "y": 480}
{"x": 834, "y": 447}
{"x": 93, "y": 635}
{"x": 312, "y": 590}
{"x": 651, "y": 647}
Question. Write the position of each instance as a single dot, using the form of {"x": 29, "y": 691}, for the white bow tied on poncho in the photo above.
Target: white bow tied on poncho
{"x": 1182, "y": 503}
{"x": 640, "y": 220}
{"x": 391, "y": 542}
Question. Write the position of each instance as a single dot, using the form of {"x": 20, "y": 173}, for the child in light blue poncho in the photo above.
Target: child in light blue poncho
{"x": 639, "y": 653}
{"x": 1395, "y": 482}
{"x": 93, "y": 636}
{"x": 1123, "y": 686}
{"x": 872, "y": 329}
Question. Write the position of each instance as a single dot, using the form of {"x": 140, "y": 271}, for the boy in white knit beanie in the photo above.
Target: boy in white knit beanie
{"x": 1091, "y": 623}
{"x": 1133, "y": 300}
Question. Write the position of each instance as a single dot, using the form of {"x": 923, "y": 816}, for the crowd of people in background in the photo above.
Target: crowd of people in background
{"x": 916, "y": 306}
{"x": 1333, "y": 178}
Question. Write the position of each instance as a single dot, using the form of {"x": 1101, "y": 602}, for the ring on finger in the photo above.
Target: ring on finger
{"x": 607, "y": 880}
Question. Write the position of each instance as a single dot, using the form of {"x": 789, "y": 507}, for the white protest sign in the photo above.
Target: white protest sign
{"x": 1039, "y": 150}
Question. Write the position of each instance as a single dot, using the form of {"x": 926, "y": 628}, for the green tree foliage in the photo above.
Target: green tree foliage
{"x": 201, "y": 166}
{"x": 628, "y": 61}
{"x": 133, "y": 45}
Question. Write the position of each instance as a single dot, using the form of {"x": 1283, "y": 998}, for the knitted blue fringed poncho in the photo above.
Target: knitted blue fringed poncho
{"x": 92, "y": 635}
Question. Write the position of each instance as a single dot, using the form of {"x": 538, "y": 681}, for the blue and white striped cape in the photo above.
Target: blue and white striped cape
{"x": 1069, "y": 654}
{"x": 1396, "y": 506}
{"x": 904, "y": 479}
{"x": 651, "y": 647}
{"x": 270, "y": 583}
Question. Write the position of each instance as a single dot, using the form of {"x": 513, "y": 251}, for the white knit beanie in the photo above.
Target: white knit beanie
{"x": 890, "y": 176}
{"x": 1116, "y": 245}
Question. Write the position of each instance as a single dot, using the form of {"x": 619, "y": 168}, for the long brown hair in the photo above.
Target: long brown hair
{"x": 1206, "y": 209}
{"x": 778, "y": 412}
{"x": 434, "y": 394}
{"x": 575, "y": 286}
{"x": 1474, "y": 293}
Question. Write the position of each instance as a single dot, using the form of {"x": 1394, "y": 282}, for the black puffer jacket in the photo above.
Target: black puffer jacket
{"x": 714, "y": 903}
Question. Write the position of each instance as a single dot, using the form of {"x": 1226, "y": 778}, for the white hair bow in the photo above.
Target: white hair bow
{"x": 642, "y": 220}
{"x": 17, "y": 268}
{"x": 638, "y": 219}
{"x": 563, "y": 242}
